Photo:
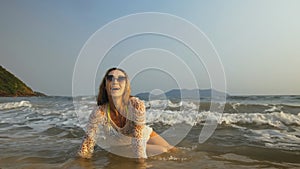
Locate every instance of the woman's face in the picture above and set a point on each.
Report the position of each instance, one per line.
(115, 83)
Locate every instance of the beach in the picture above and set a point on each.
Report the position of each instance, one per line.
(253, 132)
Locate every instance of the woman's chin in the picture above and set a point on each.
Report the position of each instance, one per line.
(116, 95)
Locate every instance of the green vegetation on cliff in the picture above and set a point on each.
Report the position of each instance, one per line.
(10, 85)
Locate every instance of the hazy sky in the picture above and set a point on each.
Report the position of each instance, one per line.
(257, 42)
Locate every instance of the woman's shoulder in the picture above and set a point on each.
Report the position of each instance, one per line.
(98, 115)
(134, 98)
(99, 110)
(137, 103)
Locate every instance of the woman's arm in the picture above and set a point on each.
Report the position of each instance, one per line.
(87, 147)
(137, 108)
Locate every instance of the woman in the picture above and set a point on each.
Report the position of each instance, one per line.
(121, 118)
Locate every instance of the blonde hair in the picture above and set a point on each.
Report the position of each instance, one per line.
(103, 96)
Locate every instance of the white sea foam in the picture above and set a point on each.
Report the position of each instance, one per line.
(83, 109)
(235, 105)
(275, 119)
(275, 138)
(274, 108)
(170, 104)
(158, 112)
(157, 104)
(162, 104)
(14, 105)
(171, 117)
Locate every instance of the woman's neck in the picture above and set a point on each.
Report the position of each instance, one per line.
(115, 103)
(116, 108)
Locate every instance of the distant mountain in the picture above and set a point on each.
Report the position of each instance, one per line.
(11, 86)
(177, 94)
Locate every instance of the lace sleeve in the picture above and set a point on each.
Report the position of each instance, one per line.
(137, 109)
(87, 147)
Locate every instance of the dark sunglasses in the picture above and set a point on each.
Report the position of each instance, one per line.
(119, 79)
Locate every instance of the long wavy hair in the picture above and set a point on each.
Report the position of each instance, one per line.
(103, 96)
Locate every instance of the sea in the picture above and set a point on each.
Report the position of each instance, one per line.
(250, 132)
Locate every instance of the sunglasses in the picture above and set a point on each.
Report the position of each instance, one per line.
(119, 79)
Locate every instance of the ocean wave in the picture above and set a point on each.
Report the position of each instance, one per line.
(278, 139)
(275, 119)
(186, 111)
(167, 104)
(229, 107)
(14, 105)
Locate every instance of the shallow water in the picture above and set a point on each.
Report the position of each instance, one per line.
(46, 132)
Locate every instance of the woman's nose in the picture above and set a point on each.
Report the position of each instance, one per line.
(115, 80)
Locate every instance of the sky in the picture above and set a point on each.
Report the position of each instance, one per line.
(256, 44)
